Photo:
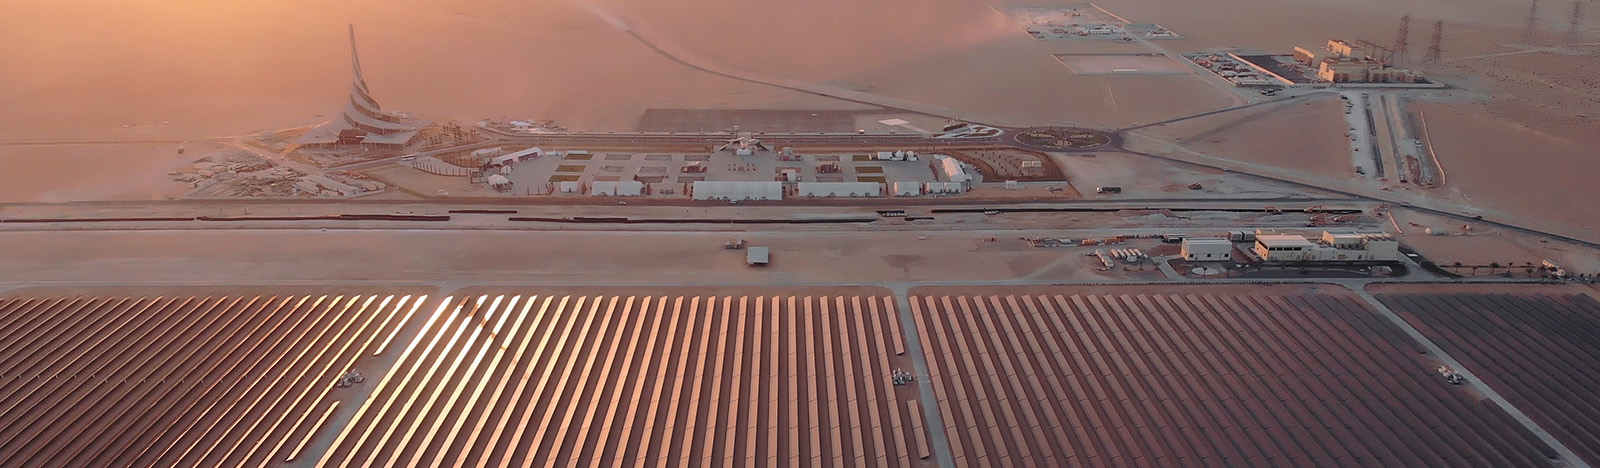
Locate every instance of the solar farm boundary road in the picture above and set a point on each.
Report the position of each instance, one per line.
(431, 205)
(1567, 455)
(1417, 203)
(919, 364)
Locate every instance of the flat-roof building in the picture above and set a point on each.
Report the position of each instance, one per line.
(1283, 247)
(1206, 249)
(1331, 247)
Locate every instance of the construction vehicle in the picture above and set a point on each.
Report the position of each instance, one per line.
(828, 168)
(350, 379)
(1450, 375)
(901, 377)
(734, 244)
(1195, 186)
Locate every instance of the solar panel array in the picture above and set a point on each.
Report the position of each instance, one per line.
(1198, 380)
(643, 381)
(177, 381)
(1541, 351)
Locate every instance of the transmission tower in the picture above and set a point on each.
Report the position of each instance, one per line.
(1432, 55)
(1403, 40)
(1572, 28)
(1528, 30)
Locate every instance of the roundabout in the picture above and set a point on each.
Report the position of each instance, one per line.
(1062, 139)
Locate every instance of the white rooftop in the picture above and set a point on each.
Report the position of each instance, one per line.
(1283, 240)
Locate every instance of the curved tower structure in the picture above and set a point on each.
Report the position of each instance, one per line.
(362, 123)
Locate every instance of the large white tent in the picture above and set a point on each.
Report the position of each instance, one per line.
(840, 189)
(728, 190)
(626, 188)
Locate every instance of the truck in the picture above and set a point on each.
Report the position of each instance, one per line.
(1108, 189)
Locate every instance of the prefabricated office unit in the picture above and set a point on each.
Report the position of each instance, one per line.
(757, 256)
(1207, 249)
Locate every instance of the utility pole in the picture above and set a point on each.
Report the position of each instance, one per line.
(1572, 28)
(1432, 55)
(1403, 40)
(1528, 30)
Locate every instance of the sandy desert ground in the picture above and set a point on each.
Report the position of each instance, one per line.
(64, 173)
(1512, 137)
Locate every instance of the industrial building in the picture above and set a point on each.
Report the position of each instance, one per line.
(1207, 249)
(1345, 62)
(1331, 247)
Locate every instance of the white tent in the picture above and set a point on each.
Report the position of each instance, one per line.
(627, 188)
(907, 189)
(719, 190)
(952, 169)
(569, 187)
(498, 180)
(840, 189)
(946, 187)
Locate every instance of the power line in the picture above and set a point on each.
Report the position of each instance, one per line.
(1403, 40)
(1528, 35)
(1572, 28)
(1432, 56)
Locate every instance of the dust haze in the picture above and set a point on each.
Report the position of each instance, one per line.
(178, 70)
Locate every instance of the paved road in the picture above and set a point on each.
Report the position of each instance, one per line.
(919, 365)
(1414, 202)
